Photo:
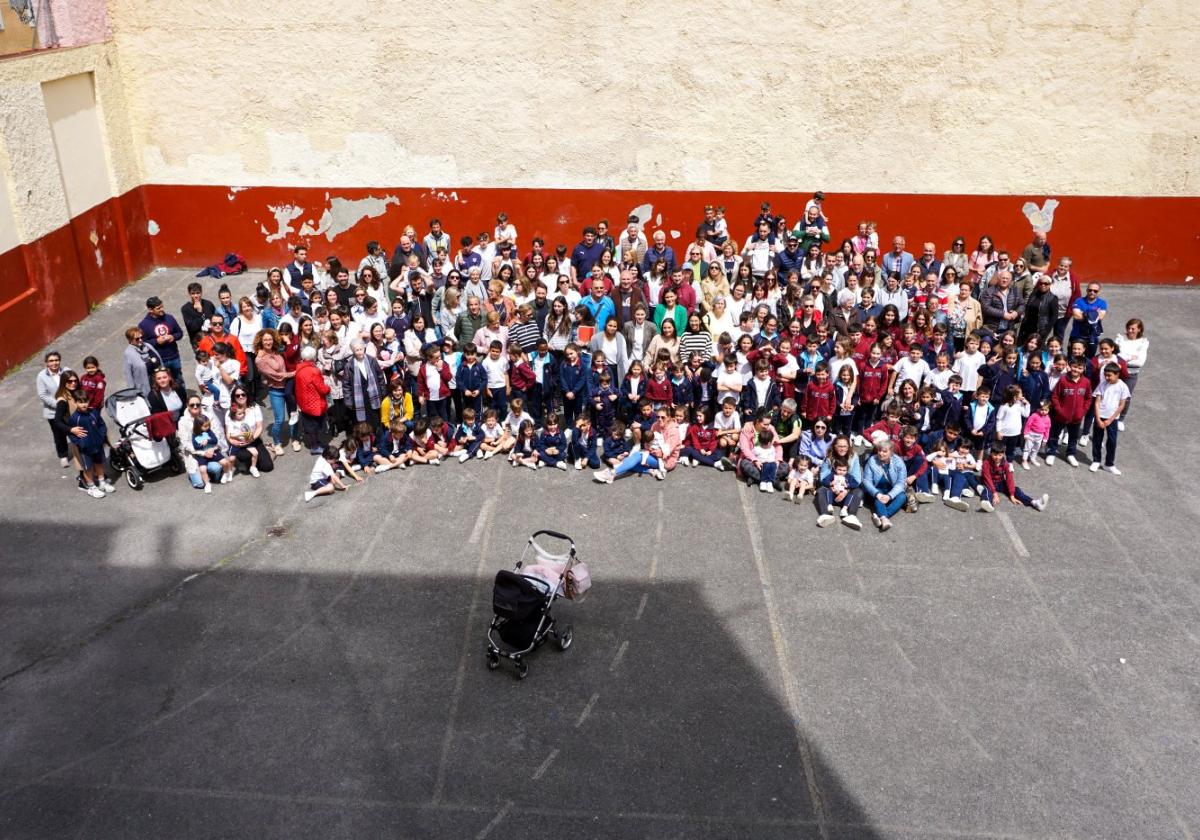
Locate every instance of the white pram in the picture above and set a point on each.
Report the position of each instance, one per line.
(135, 453)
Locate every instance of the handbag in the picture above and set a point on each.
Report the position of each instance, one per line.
(579, 581)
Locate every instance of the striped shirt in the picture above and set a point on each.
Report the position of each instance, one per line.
(695, 344)
(525, 335)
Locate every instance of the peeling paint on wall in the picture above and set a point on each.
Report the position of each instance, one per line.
(152, 228)
(284, 215)
(643, 213)
(1041, 218)
(344, 213)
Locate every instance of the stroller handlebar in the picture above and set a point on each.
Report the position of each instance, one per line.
(555, 534)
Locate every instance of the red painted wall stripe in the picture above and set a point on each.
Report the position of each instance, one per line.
(1111, 239)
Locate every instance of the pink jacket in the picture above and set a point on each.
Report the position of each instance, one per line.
(746, 445)
(1038, 424)
(670, 433)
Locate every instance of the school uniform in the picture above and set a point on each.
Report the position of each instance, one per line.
(551, 440)
(572, 378)
(583, 447)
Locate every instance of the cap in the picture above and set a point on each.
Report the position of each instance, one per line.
(792, 235)
(153, 302)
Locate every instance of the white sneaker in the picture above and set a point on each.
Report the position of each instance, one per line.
(309, 495)
(402, 466)
(579, 463)
(296, 447)
(685, 460)
(957, 504)
(487, 455)
(925, 498)
(851, 521)
(64, 462)
(1042, 502)
(720, 465)
(986, 506)
(933, 488)
(437, 462)
(1084, 440)
(1120, 425)
(1050, 460)
(763, 486)
(1072, 460)
(1024, 464)
(1095, 467)
(463, 456)
(1113, 470)
(770, 488)
(875, 520)
(659, 473)
(968, 493)
(562, 465)
(884, 523)
(293, 418)
(107, 486)
(95, 492)
(602, 477)
(535, 465)
(382, 468)
(226, 477)
(825, 520)
(208, 489)
(254, 472)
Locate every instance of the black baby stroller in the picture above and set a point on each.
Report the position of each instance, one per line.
(522, 600)
(136, 453)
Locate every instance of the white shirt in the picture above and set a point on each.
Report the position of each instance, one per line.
(967, 366)
(496, 368)
(727, 424)
(1010, 419)
(1110, 394)
(906, 369)
(321, 469)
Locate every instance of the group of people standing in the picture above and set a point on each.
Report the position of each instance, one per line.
(849, 375)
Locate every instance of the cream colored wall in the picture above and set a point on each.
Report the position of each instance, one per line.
(78, 140)
(1095, 97)
(27, 153)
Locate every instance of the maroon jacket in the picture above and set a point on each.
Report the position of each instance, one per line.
(1001, 477)
(819, 401)
(873, 382)
(1071, 401)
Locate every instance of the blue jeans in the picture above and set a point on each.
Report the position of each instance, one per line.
(697, 455)
(641, 461)
(214, 472)
(176, 367)
(960, 480)
(890, 509)
(279, 412)
(766, 475)
(1056, 429)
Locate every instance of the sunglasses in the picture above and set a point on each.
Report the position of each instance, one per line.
(193, 405)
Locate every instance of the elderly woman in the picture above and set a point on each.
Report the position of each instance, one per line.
(492, 330)
(963, 314)
(140, 360)
(364, 386)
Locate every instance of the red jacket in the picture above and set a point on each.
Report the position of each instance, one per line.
(1071, 401)
(521, 376)
(873, 382)
(701, 438)
(660, 392)
(1001, 477)
(423, 382)
(892, 430)
(311, 389)
(819, 401)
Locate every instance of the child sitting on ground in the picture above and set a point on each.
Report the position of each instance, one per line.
(323, 479)
(394, 444)
(997, 478)
(493, 436)
(207, 449)
(800, 478)
(764, 454)
(525, 450)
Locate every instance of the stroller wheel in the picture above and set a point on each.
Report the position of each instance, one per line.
(522, 670)
(134, 478)
(565, 637)
(493, 660)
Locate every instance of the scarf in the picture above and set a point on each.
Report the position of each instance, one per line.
(363, 401)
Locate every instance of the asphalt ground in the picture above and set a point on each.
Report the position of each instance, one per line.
(243, 664)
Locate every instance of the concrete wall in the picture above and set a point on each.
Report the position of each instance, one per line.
(907, 96)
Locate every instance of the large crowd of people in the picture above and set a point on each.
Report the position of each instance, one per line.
(847, 374)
